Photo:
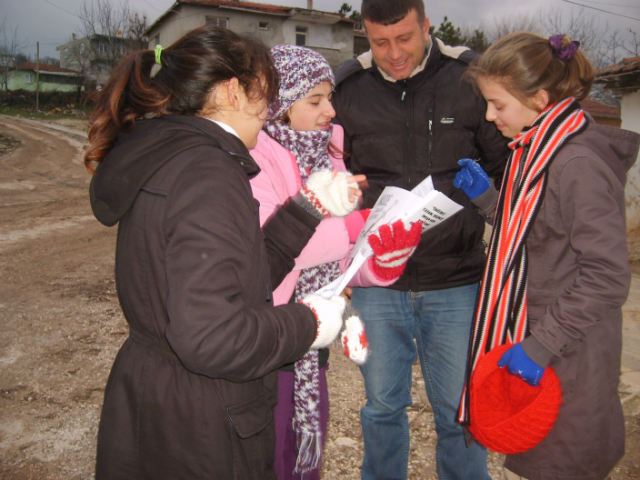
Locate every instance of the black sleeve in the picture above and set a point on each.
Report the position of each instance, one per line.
(287, 232)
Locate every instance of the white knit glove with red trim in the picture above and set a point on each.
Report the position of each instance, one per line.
(392, 249)
(354, 338)
(329, 317)
(329, 194)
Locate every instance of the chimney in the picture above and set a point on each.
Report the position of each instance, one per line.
(309, 4)
(73, 36)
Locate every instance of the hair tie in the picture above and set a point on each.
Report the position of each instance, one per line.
(564, 53)
(158, 53)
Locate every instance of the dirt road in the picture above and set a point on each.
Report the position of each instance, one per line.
(61, 325)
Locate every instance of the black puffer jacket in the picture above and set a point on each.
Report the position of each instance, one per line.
(192, 389)
(400, 133)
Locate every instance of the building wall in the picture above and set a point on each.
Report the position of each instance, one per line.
(333, 41)
(17, 81)
(630, 112)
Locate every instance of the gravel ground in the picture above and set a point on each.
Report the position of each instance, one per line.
(62, 326)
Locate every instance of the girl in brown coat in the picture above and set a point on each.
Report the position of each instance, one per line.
(557, 271)
(192, 390)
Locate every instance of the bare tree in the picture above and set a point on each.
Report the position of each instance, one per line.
(79, 58)
(10, 48)
(113, 31)
(593, 33)
(513, 23)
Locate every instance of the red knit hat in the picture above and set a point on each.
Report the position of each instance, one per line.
(507, 414)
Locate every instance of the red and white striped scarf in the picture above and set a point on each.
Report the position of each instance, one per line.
(501, 314)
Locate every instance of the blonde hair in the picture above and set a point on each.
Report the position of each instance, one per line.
(525, 63)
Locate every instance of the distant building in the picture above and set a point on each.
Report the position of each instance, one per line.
(23, 77)
(623, 79)
(94, 56)
(360, 42)
(328, 33)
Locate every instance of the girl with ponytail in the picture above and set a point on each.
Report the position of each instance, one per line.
(557, 271)
(192, 390)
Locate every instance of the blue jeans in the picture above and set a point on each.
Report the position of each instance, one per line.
(439, 323)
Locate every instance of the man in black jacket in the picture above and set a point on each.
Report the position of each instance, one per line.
(408, 114)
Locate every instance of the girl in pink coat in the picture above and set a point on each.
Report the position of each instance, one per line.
(300, 140)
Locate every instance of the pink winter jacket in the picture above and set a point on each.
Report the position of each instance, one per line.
(279, 180)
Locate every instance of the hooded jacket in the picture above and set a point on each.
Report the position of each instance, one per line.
(398, 133)
(578, 279)
(192, 389)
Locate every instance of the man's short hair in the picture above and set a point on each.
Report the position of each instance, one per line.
(388, 12)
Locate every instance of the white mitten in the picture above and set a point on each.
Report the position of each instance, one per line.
(329, 195)
(329, 317)
(354, 338)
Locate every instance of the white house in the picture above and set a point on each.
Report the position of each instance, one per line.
(328, 33)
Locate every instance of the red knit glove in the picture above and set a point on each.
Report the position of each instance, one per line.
(354, 338)
(392, 249)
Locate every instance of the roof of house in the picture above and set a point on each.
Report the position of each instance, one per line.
(600, 109)
(626, 66)
(242, 5)
(44, 67)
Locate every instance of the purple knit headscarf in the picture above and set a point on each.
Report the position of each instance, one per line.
(301, 70)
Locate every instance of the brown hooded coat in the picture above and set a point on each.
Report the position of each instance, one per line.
(192, 390)
(578, 280)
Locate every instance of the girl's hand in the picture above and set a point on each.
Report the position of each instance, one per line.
(354, 182)
(328, 193)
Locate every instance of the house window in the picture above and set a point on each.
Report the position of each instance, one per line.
(66, 53)
(102, 47)
(82, 49)
(263, 25)
(28, 78)
(218, 21)
(301, 36)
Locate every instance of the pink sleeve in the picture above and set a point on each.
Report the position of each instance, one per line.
(364, 277)
(264, 191)
(329, 244)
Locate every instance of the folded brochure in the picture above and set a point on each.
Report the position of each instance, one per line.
(424, 203)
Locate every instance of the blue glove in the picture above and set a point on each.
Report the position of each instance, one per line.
(519, 364)
(472, 179)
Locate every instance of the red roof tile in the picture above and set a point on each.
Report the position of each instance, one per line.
(262, 7)
(44, 67)
(599, 109)
(628, 65)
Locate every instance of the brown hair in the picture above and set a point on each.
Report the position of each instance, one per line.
(388, 12)
(525, 63)
(191, 67)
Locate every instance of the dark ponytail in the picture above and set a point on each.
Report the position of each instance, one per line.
(191, 67)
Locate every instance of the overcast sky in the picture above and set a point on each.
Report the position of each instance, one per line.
(51, 22)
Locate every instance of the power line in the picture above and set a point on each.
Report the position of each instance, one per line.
(57, 6)
(600, 10)
(613, 4)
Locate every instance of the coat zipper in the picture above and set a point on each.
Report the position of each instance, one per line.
(431, 136)
(407, 116)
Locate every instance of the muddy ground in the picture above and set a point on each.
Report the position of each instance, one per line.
(61, 325)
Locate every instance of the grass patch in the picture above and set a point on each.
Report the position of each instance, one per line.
(53, 114)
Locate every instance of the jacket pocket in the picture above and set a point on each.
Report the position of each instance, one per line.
(254, 440)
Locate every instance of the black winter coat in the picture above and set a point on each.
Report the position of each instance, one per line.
(192, 390)
(399, 133)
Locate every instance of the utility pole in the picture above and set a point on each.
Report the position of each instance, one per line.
(37, 76)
